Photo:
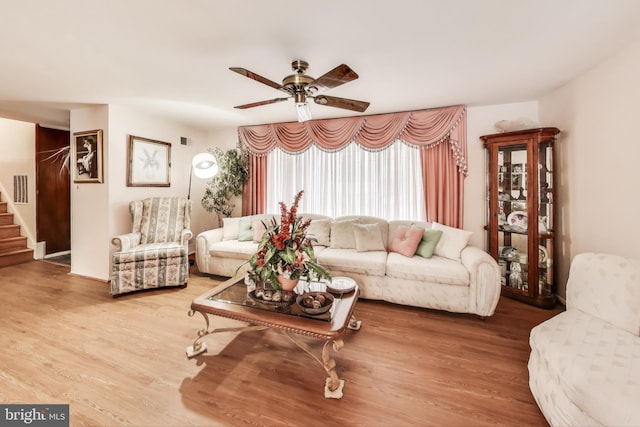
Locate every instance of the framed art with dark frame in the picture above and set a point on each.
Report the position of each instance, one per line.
(149, 163)
(86, 155)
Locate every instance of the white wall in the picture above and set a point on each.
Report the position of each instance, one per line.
(101, 211)
(18, 148)
(480, 121)
(89, 203)
(598, 153)
(225, 139)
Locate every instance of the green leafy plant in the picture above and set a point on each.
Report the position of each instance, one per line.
(227, 184)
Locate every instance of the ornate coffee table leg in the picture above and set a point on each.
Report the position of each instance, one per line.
(354, 324)
(333, 385)
(200, 347)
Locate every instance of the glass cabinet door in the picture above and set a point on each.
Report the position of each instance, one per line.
(513, 217)
(545, 218)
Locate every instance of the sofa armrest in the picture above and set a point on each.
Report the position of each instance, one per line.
(211, 236)
(126, 241)
(484, 275)
(204, 241)
(606, 286)
(185, 236)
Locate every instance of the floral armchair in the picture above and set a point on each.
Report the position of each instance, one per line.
(155, 254)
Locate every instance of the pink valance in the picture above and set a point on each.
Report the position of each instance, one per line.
(423, 129)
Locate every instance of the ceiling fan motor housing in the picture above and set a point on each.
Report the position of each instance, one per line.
(297, 83)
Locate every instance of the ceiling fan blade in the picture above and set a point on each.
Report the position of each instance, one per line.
(257, 104)
(340, 75)
(258, 78)
(347, 104)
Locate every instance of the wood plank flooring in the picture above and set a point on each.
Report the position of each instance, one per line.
(122, 362)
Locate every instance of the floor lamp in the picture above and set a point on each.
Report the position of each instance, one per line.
(203, 166)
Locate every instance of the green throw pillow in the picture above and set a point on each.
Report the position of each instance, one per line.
(430, 240)
(245, 232)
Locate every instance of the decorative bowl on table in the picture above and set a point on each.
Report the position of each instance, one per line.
(315, 302)
(272, 297)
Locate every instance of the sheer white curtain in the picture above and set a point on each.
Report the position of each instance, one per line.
(352, 181)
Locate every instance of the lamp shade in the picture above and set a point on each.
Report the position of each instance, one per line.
(204, 165)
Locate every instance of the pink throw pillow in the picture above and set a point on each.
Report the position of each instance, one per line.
(405, 240)
(258, 230)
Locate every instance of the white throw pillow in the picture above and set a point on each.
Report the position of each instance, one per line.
(368, 237)
(320, 229)
(230, 228)
(342, 234)
(452, 241)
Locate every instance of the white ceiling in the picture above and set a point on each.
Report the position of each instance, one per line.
(172, 56)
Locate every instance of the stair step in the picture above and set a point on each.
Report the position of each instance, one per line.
(6, 218)
(11, 243)
(7, 231)
(3, 207)
(16, 257)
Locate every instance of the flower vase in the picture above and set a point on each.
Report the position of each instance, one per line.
(286, 283)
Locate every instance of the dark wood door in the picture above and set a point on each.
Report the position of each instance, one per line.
(53, 189)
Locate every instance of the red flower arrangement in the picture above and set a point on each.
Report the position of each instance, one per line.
(285, 249)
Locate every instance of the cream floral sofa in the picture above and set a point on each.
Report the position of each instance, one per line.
(379, 255)
(584, 368)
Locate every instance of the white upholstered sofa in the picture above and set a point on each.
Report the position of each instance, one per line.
(584, 368)
(457, 278)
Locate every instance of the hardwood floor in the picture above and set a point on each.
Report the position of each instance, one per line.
(122, 361)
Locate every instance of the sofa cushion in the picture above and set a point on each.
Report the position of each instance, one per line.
(352, 261)
(233, 249)
(245, 230)
(231, 228)
(452, 241)
(151, 252)
(162, 219)
(342, 234)
(258, 227)
(427, 245)
(596, 363)
(320, 229)
(405, 240)
(435, 269)
(368, 237)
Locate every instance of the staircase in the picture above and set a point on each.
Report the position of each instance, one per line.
(13, 246)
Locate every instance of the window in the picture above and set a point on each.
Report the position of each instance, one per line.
(352, 181)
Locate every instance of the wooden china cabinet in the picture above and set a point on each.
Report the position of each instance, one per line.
(521, 194)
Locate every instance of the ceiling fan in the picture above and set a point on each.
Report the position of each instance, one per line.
(301, 87)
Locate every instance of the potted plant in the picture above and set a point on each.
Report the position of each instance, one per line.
(234, 172)
(285, 252)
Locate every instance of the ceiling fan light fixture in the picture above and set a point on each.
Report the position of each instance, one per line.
(304, 113)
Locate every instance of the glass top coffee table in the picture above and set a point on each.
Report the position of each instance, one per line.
(233, 299)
